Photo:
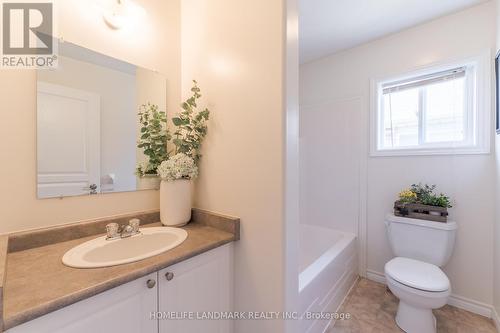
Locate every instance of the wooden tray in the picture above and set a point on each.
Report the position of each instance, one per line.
(421, 212)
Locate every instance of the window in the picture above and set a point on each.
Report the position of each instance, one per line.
(431, 112)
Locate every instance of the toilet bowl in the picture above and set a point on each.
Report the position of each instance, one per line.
(420, 287)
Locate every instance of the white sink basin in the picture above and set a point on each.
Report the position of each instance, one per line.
(100, 252)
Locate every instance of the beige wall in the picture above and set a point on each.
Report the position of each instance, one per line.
(154, 43)
(468, 179)
(238, 59)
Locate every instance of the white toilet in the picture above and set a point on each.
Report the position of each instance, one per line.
(414, 276)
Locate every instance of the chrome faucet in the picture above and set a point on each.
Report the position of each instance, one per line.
(114, 231)
(127, 231)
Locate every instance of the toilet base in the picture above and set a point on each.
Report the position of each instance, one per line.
(415, 320)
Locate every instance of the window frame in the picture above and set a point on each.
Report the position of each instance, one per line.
(476, 122)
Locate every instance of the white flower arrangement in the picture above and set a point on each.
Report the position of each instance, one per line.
(144, 168)
(179, 166)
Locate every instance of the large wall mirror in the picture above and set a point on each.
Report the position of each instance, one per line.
(88, 123)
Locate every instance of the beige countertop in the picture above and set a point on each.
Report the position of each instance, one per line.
(36, 281)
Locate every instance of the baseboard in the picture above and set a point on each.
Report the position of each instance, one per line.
(460, 302)
(375, 276)
(496, 318)
(471, 305)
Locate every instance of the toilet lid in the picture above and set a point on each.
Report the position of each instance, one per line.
(417, 274)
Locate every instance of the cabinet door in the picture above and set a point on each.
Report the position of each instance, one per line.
(125, 309)
(194, 288)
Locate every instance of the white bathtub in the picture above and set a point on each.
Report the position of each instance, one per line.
(328, 268)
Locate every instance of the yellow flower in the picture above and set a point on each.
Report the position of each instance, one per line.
(407, 196)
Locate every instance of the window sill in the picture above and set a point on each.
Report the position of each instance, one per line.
(430, 152)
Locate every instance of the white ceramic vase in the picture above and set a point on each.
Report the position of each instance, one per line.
(175, 202)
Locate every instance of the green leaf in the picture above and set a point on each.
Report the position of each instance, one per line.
(177, 121)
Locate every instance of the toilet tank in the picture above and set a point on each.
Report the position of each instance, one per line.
(428, 241)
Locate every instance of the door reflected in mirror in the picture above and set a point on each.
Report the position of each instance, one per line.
(88, 124)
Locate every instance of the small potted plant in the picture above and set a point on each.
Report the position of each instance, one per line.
(177, 167)
(181, 164)
(421, 202)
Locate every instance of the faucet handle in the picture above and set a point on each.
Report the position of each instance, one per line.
(112, 230)
(135, 223)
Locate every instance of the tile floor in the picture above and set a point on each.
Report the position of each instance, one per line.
(373, 308)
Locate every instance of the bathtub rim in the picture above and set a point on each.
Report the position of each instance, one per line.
(307, 275)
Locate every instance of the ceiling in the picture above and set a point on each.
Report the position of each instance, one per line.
(328, 26)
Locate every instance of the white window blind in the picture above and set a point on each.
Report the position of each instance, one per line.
(424, 80)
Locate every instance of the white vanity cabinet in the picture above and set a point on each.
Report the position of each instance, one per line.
(194, 292)
(202, 283)
(123, 309)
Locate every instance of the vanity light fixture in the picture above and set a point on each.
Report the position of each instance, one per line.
(121, 13)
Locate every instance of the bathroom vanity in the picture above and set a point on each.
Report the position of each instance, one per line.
(175, 291)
